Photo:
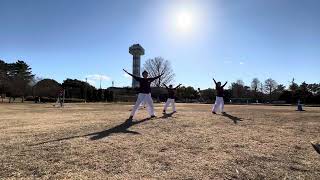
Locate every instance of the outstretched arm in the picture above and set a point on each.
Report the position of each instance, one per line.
(135, 77)
(154, 78)
(178, 86)
(214, 81)
(225, 84)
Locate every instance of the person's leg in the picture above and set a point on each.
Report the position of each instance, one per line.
(173, 103)
(61, 102)
(143, 104)
(135, 108)
(150, 106)
(222, 105)
(166, 105)
(215, 105)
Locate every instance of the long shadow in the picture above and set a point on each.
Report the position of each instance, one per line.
(233, 118)
(316, 147)
(121, 128)
(165, 116)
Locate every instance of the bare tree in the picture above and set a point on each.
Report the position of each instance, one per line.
(270, 86)
(157, 66)
(255, 84)
(238, 89)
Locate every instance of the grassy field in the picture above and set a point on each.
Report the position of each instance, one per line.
(91, 141)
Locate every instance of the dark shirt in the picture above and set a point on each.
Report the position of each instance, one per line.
(220, 91)
(145, 84)
(61, 94)
(171, 93)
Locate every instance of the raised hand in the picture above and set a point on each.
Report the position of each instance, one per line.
(225, 84)
(178, 86)
(128, 73)
(214, 80)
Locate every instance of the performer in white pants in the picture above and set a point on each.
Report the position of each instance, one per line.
(171, 98)
(60, 99)
(219, 104)
(144, 93)
(146, 99)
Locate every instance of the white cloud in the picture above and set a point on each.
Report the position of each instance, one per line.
(91, 82)
(94, 79)
(98, 77)
(241, 63)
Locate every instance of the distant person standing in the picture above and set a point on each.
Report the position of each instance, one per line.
(171, 98)
(144, 93)
(219, 104)
(61, 97)
(200, 99)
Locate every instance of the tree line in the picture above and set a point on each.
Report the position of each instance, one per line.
(17, 80)
(268, 91)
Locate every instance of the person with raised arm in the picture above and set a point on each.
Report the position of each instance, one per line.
(171, 98)
(219, 104)
(144, 93)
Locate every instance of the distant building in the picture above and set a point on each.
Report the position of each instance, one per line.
(137, 51)
(128, 94)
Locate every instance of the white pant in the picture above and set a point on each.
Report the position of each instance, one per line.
(219, 105)
(146, 98)
(172, 102)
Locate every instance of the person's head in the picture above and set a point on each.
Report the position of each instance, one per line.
(219, 84)
(170, 86)
(145, 74)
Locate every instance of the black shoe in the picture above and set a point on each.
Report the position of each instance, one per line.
(153, 116)
(214, 112)
(163, 112)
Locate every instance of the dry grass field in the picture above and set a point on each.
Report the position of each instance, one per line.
(91, 141)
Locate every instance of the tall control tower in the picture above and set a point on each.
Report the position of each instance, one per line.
(137, 51)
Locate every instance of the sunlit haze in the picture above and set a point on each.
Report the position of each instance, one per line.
(228, 40)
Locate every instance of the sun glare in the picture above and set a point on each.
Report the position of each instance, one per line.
(184, 22)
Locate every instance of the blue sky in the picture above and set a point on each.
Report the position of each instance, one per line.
(225, 39)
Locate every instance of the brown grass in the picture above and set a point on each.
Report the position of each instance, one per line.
(90, 141)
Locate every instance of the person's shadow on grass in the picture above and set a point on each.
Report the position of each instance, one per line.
(233, 118)
(316, 147)
(165, 115)
(121, 128)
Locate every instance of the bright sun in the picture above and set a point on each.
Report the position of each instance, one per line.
(184, 22)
